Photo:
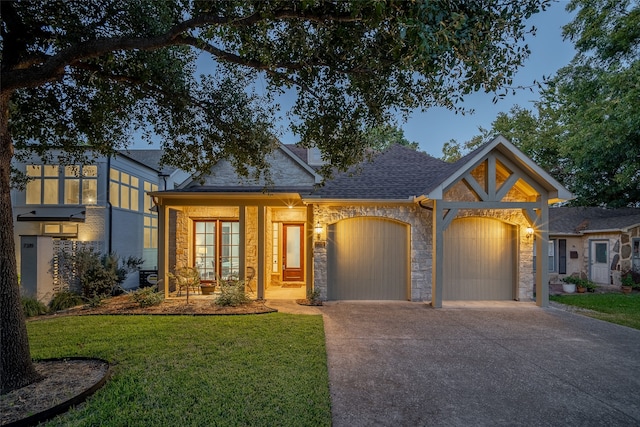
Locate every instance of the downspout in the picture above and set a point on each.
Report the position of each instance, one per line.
(110, 237)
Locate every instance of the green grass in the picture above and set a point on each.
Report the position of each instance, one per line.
(196, 371)
(612, 307)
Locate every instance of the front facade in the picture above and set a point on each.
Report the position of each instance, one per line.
(102, 205)
(404, 226)
(594, 243)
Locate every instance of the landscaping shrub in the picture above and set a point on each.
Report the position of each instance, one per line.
(65, 299)
(232, 293)
(147, 297)
(96, 275)
(631, 278)
(32, 307)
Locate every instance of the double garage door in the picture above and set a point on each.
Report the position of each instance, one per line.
(369, 259)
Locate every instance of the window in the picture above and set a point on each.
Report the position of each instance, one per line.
(217, 249)
(551, 254)
(123, 190)
(42, 188)
(148, 201)
(150, 232)
(60, 230)
(635, 257)
(562, 256)
(80, 186)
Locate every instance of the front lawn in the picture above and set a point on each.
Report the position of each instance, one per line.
(612, 307)
(196, 371)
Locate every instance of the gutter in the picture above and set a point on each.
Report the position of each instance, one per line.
(110, 238)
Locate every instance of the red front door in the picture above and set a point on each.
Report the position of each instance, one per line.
(293, 253)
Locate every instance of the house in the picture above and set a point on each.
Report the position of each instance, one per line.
(401, 226)
(595, 243)
(102, 205)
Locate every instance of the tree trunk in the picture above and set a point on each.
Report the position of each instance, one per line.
(16, 367)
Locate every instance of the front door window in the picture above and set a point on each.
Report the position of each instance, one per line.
(293, 239)
(217, 249)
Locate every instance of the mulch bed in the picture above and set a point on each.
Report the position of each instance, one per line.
(122, 305)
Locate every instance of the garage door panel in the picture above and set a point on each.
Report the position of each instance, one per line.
(479, 260)
(367, 258)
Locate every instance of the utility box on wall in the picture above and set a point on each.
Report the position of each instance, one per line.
(36, 281)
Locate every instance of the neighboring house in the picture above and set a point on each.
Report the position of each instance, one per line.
(102, 205)
(402, 226)
(596, 243)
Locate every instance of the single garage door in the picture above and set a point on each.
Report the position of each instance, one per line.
(479, 260)
(368, 259)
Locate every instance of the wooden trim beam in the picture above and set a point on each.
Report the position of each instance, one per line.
(473, 184)
(487, 205)
(261, 252)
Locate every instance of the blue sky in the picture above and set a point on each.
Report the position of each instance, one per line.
(549, 52)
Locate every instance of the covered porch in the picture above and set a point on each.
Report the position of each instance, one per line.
(263, 239)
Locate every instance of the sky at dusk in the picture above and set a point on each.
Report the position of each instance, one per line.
(432, 128)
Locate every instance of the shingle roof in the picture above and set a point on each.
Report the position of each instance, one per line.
(150, 158)
(396, 173)
(568, 220)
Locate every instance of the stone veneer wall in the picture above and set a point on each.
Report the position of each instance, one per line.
(420, 221)
(626, 250)
(526, 276)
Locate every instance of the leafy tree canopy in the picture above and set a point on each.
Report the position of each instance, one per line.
(585, 130)
(91, 73)
(381, 137)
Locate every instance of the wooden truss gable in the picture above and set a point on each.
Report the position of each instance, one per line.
(493, 182)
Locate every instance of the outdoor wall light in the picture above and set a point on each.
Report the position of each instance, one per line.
(529, 232)
(318, 229)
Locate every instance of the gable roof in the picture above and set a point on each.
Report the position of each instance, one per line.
(557, 192)
(150, 158)
(396, 173)
(582, 220)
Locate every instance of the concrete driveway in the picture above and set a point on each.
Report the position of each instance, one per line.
(406, 364)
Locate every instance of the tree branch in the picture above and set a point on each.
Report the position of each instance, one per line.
(53, 67)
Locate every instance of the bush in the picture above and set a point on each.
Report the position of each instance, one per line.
(631, 278)
(95, 275)
(65, 299)
(232, 293)
(147, 297)
(32, 307)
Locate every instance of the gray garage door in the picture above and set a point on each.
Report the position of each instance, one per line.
(479, 260)
(368, 259)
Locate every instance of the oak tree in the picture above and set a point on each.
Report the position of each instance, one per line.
(90, 74)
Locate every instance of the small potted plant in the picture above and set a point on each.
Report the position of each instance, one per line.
(207, 288)
(569, 285)
(627, 283)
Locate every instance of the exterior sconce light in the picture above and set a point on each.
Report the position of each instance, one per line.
(529, 232)
(318, 229)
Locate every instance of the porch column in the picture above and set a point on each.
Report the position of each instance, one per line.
(542, 255)
(261, 251)
(163, 249)
(437, 256)
(309, 253)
